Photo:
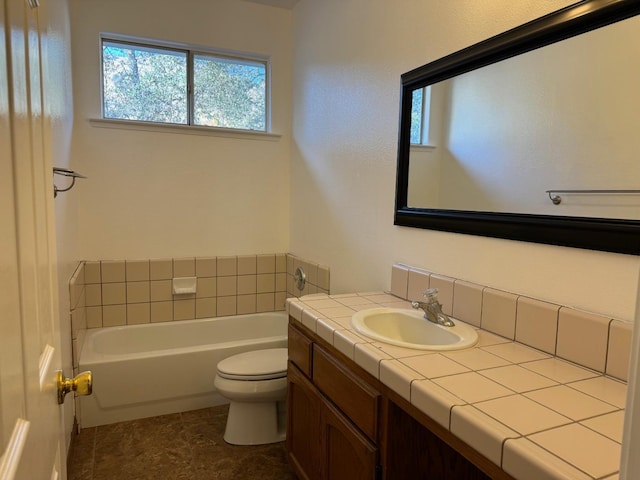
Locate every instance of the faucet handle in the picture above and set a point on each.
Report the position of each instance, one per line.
(431, 294)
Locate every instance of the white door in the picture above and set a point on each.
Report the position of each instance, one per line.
(31, 433)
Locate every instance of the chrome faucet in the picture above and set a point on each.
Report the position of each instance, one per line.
(433, 309)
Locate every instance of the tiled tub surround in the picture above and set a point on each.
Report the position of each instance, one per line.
(536, 415)
(126, 292)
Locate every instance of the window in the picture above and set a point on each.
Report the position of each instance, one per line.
(420, 110)
(158, 83)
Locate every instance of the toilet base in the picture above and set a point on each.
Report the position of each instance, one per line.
(255, 423)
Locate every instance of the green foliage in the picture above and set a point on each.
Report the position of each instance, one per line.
(150, 84)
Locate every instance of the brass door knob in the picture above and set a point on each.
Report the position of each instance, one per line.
(82, 384)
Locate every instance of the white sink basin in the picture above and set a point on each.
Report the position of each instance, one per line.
(408, 328)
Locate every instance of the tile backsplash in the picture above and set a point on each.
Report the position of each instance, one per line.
(106, 293)
(598, 342)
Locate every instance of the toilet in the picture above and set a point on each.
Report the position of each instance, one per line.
(255, 383)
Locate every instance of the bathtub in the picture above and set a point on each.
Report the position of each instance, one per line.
(155, 369)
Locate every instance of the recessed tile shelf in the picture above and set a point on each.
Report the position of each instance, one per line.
(512, 398)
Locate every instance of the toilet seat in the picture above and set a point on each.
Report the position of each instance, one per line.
(257, 365)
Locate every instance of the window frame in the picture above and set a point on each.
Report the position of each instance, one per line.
(191, 51)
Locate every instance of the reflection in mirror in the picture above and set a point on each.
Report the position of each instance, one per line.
(562, 117)
(549, 105)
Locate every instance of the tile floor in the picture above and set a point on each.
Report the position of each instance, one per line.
(186, 445)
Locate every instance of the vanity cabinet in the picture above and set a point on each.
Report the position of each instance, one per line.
(332, 424)
(344, 424)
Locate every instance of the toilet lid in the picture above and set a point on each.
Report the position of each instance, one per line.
(256, 365)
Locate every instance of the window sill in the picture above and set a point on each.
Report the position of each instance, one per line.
(183, 129)
(423, 147)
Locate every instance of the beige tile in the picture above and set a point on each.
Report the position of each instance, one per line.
(311, 270)
(113, 271)
(246, 284)
(606, 389)
(137, 270)
(77, 297)
(266, 283)
(138, 313)
(619, 349)
(467, 302)
(247, 265)
(380, 298)
(324, 278)
(184, 309)
(582, 338)
(476, 359)
(78, 320)
(517, 378)
(114, 293)
(537, 324)
(399, 280)
(184, 267)
(290, 263)
(499, 312)
(281, 263)
(417, 284)
(161, 311)
(161, 290)
(356, 301)
(524, 460)
(161, 269)
(345, 342)
(226, 305)
(280, 298)
(511, 411)
(114, 315)
(206, 266)
(585, 449)
(444, 285)
(281, 282)
(369, 357)
(434, 400)
(94, 317)
(265, 264)
(325, 328)
(265, 302)
(321, 303)
(472, 387)
(569, 402)
(227, 266)
(610, 425)
(309, 319)
(487, 338)
(515, 352)
(396, 351)
(205, 307)
(138, 292)
(336, 312)
(295, 308)
(92, 272)
(93, 294)
(480, 431)
(206, 287)
(246, 304)
(398, 377)
(226, 286)
(559, 370)
(434, 365)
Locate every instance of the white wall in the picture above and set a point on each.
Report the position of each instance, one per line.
(157, 194)
(348, 57)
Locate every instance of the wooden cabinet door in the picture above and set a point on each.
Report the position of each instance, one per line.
(304, 433)
(348, 455)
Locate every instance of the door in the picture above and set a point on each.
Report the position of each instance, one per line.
(31, 429)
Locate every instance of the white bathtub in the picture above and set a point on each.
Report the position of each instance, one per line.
(154, 369)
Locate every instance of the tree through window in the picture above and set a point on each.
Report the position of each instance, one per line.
(153, 84)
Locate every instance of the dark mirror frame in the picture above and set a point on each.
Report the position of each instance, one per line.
(613, 235)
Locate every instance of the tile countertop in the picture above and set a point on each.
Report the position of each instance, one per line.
(535, 415)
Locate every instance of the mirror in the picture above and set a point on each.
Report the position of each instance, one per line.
(530, 143)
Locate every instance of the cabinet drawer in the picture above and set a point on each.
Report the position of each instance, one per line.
(300, 350)
(357, 400)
